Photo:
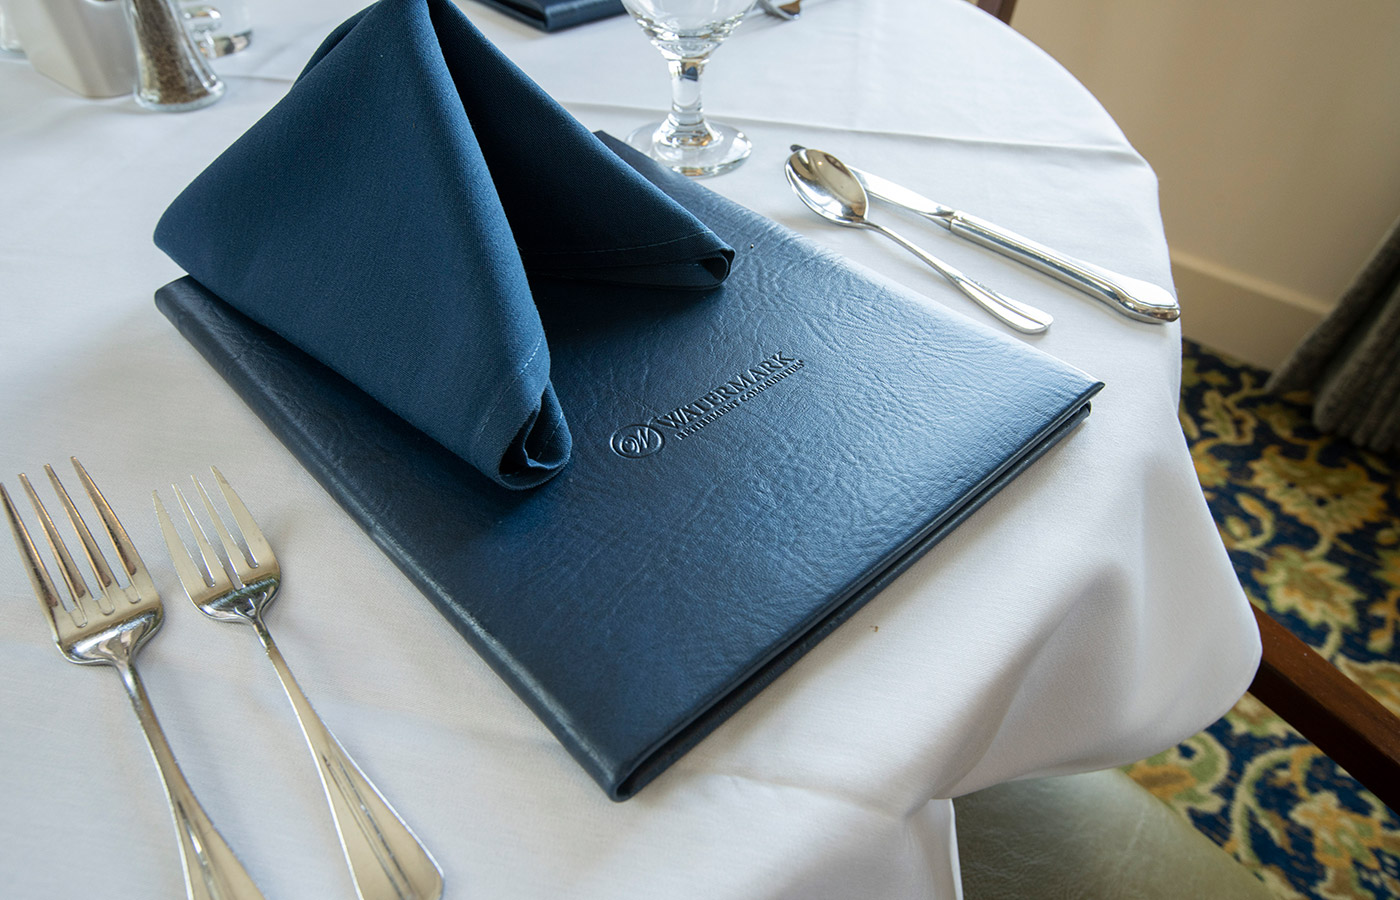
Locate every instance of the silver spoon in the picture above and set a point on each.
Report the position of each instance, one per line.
(832, 192)
(785, 11)
(1136, 299)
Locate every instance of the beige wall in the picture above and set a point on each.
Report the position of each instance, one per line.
(1274, 128)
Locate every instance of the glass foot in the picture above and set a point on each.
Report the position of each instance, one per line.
(723, 148)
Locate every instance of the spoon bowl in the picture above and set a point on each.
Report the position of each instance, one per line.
(833, 192)
(828, 188)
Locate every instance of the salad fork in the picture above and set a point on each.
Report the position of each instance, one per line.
(386, 860)
(109, 629)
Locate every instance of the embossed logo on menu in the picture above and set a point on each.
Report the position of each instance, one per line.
(636, 441)
(643, 439)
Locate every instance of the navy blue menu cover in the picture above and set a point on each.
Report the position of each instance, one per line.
(751, 465)
(552, 15)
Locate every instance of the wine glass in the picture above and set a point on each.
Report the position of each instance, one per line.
(687, 32)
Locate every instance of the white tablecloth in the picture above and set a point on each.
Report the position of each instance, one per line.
(1086, 617)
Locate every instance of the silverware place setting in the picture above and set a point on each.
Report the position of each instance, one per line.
(109, 626)
(386, 859)
(841, 193)
(829, 189)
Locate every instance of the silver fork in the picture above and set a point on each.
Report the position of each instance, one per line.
(109, 629)
(386, 860)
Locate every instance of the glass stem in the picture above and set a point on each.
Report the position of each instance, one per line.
(686, 125)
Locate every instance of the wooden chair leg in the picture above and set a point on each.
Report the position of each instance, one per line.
(1002, 9)
(1329, 709)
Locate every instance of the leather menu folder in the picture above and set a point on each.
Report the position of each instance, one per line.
(751, 465)
(553, 15)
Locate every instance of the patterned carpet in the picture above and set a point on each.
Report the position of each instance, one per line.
(1312, 524)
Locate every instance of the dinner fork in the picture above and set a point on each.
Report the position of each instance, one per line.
(387, 862)
(110, 629)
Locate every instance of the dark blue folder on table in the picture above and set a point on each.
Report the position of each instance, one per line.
(553, 15)
(750, 466)
(404, 283)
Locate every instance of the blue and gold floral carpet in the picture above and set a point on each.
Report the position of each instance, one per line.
(1312, 524)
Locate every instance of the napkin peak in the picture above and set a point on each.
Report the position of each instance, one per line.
(388, 214)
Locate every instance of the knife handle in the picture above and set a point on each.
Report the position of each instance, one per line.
(1136, 299)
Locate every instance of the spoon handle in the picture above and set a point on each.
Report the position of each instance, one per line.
(1014, 314)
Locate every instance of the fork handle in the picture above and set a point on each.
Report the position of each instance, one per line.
(212, 872)
(386, 860)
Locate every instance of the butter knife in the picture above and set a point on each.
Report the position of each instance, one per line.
(1140, 300)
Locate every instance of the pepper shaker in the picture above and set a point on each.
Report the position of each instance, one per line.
(171, 74)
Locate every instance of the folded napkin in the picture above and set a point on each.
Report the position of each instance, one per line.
(387, 216)
(552, 15)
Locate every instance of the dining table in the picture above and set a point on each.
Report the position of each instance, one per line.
(1085, 617)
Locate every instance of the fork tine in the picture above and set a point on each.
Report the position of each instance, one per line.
(95, 559)
(236, 559)
(38, 575)
(259, 551)
(194, 578)
(77, 587)
(213, 570)
(252, 534)
(126, 551)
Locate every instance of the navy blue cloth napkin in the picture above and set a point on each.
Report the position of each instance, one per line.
(387, 216)
(552, 15)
